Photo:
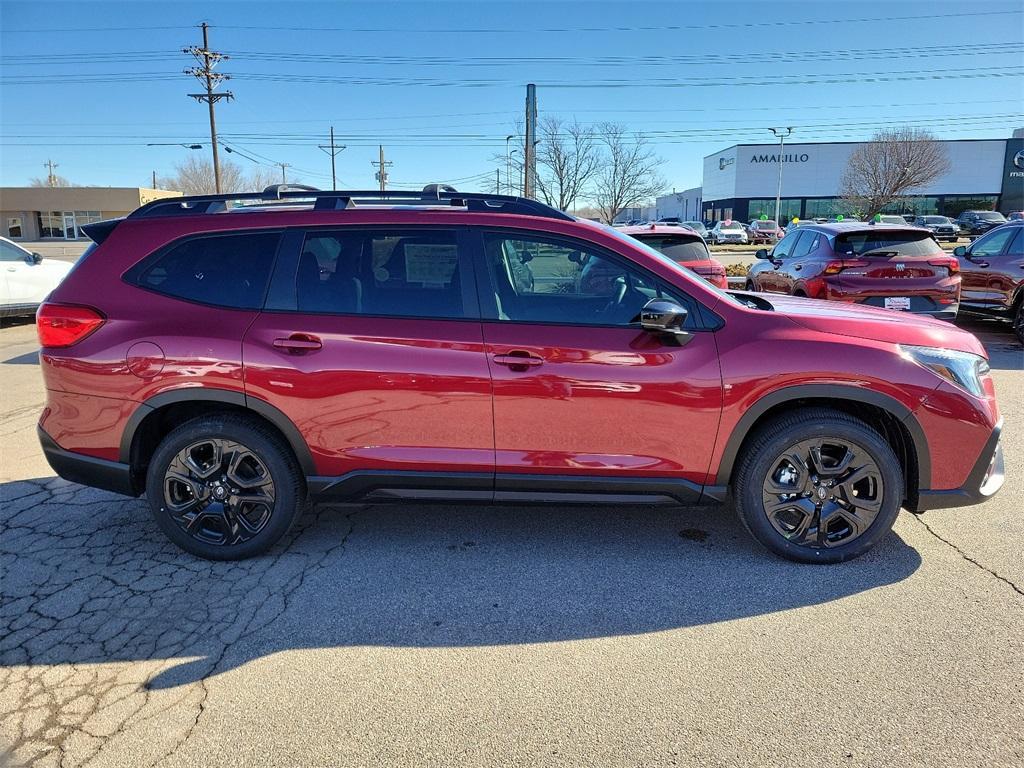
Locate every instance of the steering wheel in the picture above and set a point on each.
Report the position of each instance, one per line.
(615, 302)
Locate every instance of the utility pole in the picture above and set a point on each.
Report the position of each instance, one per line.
(497, 181)
(332, 150)
(154, 180)
(382, 169)
(208, 60)
(508, 166)
(284, 179)
(530, 149)
(51, 177)
(778, 192)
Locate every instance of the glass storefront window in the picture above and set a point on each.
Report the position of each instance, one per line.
(789, 208)
(51, 224)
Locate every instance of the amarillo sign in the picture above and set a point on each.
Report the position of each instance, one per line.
(787, 158)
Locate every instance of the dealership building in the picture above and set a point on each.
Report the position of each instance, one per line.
(58, 213)
(741, 182)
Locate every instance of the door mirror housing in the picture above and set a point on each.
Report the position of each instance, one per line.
(761, 253)
(664, 316)
(34, 258)
(960, 252)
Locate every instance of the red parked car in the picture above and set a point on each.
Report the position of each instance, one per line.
(231, 356)
(878, 265)
(685, 247)
(993, 275)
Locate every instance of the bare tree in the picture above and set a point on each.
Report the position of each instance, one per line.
(628, 173)
(895, 162)
(567, 159)
(51, 181)
(194, 176)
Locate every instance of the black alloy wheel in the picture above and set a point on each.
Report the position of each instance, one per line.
(224, 486)
(817, 485)
(1018, 321)
(219, 492)
(823, 492)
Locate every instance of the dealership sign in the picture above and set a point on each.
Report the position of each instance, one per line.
(786, 158)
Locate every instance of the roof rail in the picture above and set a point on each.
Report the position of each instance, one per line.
(333, 200)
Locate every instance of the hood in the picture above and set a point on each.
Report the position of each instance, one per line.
(856, 320)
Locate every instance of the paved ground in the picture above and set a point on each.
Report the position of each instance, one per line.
(430, 635)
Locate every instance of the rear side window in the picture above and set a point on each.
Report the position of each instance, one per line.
(677, 247)
(229, 270)
(392, 273)
(886, 244)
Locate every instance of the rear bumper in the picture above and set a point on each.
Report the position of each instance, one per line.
(983, 483)
(87, 470)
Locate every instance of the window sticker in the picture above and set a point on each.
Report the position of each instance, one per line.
(432, 265)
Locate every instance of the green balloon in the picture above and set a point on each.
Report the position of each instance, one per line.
(878, 218)
(839, 217)
(764, 217)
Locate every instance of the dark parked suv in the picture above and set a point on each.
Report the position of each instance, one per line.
(881, 265)
(975, 223)
(233, 356)
(993, 275)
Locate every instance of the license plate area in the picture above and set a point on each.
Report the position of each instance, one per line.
(901, 303)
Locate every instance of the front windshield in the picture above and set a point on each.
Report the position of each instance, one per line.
(991, 216)
(698, 225)
(766, 225)
(936, 220)
(731, 225)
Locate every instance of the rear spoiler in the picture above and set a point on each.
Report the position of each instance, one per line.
(98, 231)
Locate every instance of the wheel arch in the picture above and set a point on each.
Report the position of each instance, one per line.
(889, 416)
(145, 425)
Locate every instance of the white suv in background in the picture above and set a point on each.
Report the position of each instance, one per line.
(26, 278)
(728, 232)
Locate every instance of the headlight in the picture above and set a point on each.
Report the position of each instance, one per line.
(960, 368)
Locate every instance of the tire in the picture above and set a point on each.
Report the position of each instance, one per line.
(233, 458)
(1018, 320)
(750, 287)
(794, 531)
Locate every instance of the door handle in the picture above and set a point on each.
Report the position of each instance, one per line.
(518, 360)
(299, 343)
(798, 266)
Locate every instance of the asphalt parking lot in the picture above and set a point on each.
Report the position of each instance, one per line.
(433, 635)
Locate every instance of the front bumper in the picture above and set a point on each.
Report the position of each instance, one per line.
(87, 470)
(983, 483)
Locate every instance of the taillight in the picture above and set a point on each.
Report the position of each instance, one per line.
(951, 264)
(835, 267)
(61, 325)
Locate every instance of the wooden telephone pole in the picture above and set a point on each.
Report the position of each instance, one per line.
(208, 60)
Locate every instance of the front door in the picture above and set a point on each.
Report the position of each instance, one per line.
(986, 277)
(372, 347)
(70, 233)
(581, 393)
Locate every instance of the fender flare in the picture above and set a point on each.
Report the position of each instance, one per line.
(192, 394)
(830, 392)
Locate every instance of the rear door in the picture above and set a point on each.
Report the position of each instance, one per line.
(371, 344)
(582, 395)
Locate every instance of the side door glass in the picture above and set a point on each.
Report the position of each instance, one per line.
(992, 244)
(563, 282)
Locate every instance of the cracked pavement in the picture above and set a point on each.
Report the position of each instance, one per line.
(462, 635)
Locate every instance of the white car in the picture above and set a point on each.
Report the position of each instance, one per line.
(26, 278)
(728, 232)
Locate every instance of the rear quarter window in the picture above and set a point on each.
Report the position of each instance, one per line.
(226, 270)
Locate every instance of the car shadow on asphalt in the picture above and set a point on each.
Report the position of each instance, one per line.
(89, 579)
(1005, 352)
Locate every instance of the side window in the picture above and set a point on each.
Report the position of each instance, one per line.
(394, 272)
(1016, 248)
(10, 252)
(785, 246)
(229, 270)
(994, 243)
(565, 283)
(807, 244)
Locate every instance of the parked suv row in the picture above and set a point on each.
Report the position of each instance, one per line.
(233, 356)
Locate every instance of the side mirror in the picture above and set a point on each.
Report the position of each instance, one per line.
(664, 316)
(34, 258)
(761, 253)
(960, 252)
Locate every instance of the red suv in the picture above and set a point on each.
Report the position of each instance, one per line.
(232, 356)
(878, 265)
(684, 246)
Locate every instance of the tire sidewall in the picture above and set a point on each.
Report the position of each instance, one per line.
(751, 505)
(277, 459)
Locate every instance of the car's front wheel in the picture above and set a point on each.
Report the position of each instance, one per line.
(1018, 321)
(818, 486)
(224, 487)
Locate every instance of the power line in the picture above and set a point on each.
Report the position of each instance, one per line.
(205, 73)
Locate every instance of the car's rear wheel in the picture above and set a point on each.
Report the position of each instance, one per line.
(224, 487)
(1018, 320)
(818, 486)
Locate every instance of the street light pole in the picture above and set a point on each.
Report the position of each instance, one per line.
(778, 192)
(508, 166)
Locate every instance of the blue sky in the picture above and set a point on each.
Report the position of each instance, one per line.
(90, 84)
